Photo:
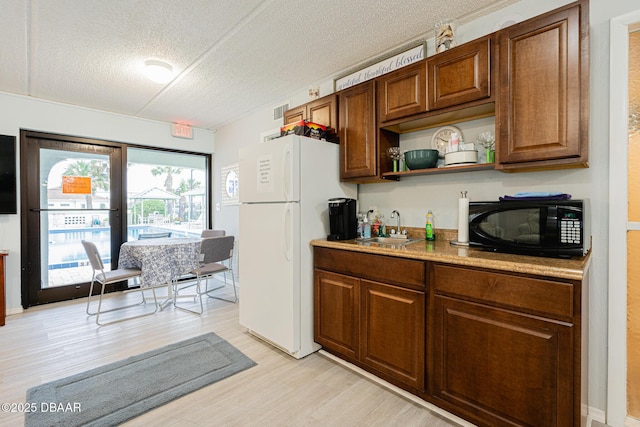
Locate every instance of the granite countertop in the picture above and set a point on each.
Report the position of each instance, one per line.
(441, 250)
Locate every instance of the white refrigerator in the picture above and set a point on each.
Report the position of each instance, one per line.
(284, 188)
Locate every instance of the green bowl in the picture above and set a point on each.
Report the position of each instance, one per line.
(421, 159)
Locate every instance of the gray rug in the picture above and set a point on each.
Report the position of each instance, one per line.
(112, 394)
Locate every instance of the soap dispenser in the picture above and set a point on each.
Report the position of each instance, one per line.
(429, 228)
(367, 227)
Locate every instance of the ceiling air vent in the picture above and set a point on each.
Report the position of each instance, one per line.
(278, 112)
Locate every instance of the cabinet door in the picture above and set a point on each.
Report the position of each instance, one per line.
(541, 104)
(403, 92)
(336, 313)
(295, 114)
(459, 75)
(358, 149)
(393, 331)
(501, 367)
(324, 111)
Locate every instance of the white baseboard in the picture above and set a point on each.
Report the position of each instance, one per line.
(397, 390)
(600, 416)
(594, 414)
(15, 310)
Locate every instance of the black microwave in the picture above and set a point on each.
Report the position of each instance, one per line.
(557, 228)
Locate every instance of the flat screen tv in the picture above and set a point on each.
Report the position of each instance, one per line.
(8, 203)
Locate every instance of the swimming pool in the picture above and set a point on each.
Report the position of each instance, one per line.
(65, 250)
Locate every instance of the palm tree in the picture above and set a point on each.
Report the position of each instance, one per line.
(97, 170)
(170, 171)
(186, 185)
(168, 182)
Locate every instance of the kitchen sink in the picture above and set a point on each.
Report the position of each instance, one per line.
(387, 241)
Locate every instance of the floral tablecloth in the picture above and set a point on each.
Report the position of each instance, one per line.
(160, 260)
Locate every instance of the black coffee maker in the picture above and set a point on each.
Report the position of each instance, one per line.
(343, 221)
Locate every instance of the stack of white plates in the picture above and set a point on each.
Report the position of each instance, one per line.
(461, 157)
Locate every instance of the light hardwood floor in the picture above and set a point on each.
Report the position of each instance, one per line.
(57, 340)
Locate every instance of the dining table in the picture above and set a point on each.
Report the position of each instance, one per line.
(161, 261)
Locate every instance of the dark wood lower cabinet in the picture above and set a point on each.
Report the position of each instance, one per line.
(392, 331)
(503, 368)
(336, 314)
(372, 324)
(371, 316)
(493, 347)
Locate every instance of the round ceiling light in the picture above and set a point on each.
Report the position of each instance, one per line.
(158, 71)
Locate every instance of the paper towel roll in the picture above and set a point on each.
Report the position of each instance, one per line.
(463, 218)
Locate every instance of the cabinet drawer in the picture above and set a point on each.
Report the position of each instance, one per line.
(397, 271)
(536, 296)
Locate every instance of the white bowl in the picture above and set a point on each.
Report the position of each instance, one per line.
(461, 157)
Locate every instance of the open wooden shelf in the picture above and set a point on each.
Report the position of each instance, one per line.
(443, 170)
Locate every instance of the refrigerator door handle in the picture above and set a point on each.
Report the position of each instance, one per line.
(286, 181)
(286, 233)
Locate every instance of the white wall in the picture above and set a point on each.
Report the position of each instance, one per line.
(28, 113)
(235, 136)
(413, 196)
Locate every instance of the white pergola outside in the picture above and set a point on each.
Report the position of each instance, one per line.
(154, 193)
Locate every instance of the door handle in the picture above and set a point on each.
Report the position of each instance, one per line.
(286, 234)
(73, 210)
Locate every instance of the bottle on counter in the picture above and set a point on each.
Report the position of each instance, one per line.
(366, 227)
(430, 232)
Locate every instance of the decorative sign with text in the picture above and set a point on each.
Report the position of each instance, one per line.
(383, 67)
(76, 185)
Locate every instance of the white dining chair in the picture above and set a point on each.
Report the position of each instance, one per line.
(216, 256)
(108, 277)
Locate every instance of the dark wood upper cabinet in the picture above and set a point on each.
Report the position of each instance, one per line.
(295, 114)
(543, 102)
(358, 148)
(532, 76)
(402, 93)
(460, 75)
(323, 111)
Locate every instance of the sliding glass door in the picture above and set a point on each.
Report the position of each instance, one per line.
(73, 193)
(75, 189)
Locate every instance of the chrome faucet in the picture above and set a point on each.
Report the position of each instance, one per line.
(396, 214)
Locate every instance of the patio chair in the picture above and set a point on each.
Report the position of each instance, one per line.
(158, 235)
(109, 277)
(212, 233)
(216, 256)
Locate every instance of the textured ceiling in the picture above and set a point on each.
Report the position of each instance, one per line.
(229, 57)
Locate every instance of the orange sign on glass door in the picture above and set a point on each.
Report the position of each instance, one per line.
(76, 185)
